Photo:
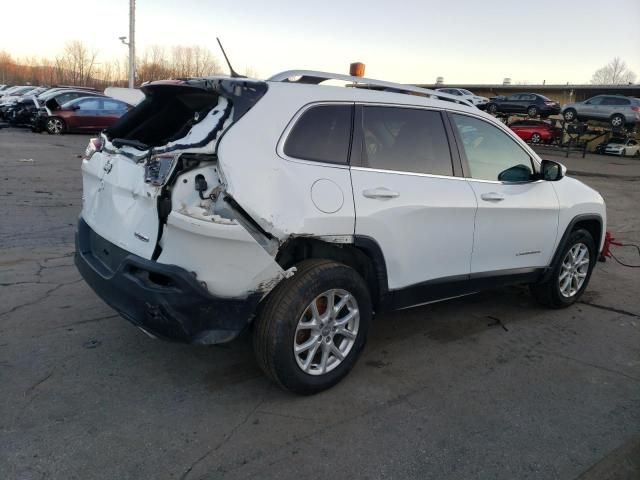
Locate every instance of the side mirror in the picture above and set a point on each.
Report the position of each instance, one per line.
(552, 171)
(517, 173)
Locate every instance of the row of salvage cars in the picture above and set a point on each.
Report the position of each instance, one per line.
(618, 111)
(58, 110)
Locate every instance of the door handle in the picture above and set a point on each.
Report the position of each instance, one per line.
(380, 192)
(492, 197)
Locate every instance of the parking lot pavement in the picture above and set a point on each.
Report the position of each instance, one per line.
(488, 386)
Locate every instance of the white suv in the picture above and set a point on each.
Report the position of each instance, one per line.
(478, 101)
(299, 210)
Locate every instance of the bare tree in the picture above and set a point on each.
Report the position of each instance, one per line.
(76, 64)
(613, 73)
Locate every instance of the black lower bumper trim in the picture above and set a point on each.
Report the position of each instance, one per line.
(164, 300)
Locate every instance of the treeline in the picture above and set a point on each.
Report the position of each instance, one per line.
(79, 65)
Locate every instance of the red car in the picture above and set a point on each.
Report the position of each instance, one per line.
(536, 131)
(86, 113)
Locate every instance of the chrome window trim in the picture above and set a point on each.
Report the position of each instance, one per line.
(413, 174)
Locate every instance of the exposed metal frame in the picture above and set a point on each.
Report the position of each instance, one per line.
(316, 77)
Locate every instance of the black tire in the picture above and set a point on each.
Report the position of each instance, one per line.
(275, 328)
(548, 291)
(55, 126)
(492, 108)
(570, 114)
(535, 138)
(532, 111)
(617, 120)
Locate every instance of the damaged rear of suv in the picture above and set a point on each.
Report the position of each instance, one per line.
(159, 238)
(219, 204)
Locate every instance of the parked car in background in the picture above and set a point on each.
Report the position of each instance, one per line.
(480, 102)
(624, 147)
(533, 104)
(86, 113)
(615, 109)
(536, 131)
(22, 111)
(13, 93)
(50, 102)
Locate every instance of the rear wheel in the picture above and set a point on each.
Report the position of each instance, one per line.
(313, 326)
(532, 111)
(570, 275)
(617, 121)
(536, 138)
(55, 126)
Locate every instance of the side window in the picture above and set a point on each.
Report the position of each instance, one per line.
(113, 105)
(595, 101)
(90, 104)
(62, 99)
(491, 153)
(406, 140)
(322, 134)
(513, 98)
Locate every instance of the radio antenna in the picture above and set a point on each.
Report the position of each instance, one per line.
(233, 73)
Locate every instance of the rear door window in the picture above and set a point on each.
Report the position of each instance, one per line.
(405, 140)
(90, 104)
(114, 105)
(322, 134)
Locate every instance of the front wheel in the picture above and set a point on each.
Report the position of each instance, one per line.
(570, 114)
(570, 274)
(492, 108)
(313, 326)
(55, 126)
(536, 138)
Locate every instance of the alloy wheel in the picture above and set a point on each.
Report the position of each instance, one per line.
(54, 125)
(326, 332)
(574, 270)
(535, 138)
(616, 121)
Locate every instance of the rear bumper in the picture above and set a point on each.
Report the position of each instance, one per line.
(164, 300)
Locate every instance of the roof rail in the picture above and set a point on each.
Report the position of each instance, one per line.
(314, 78)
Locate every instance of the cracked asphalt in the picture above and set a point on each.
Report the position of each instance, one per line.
(490, 386)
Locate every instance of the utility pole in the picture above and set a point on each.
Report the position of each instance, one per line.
(132, 43)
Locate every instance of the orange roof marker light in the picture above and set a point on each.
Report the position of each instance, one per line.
(356, 69)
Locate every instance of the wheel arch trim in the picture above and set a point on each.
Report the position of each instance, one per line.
(565, 238)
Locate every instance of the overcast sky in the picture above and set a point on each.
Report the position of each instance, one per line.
(465, 41)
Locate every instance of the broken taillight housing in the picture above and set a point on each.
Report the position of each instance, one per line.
(95, 144)
(158, 168)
